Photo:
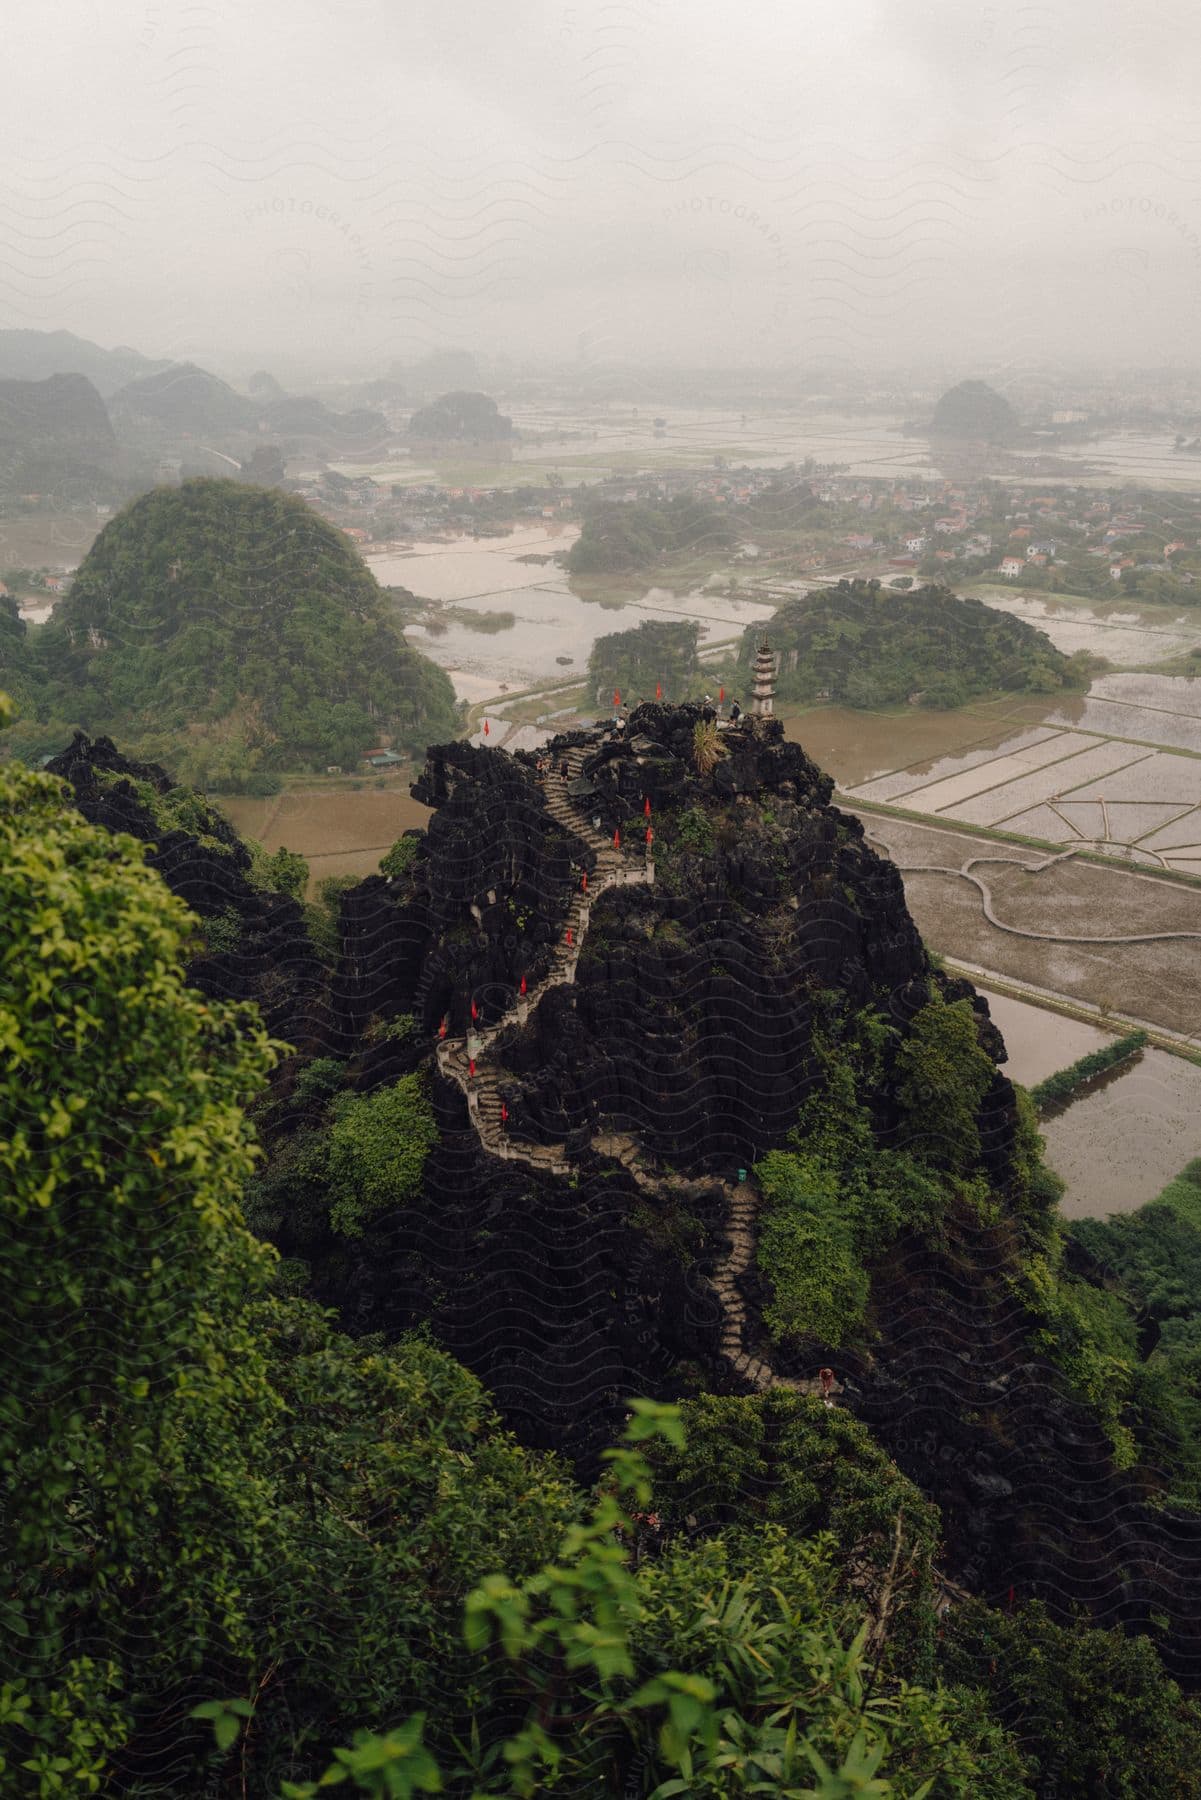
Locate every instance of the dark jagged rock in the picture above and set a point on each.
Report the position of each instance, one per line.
(274, 962)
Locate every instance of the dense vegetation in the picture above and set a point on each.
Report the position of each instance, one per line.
(236, 616)
(654, 654)
(246, 1555)
(1064, 1083)
(863, 645)
(626, 537)
(1153, 1257)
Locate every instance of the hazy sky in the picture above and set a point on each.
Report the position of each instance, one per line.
(991, 183)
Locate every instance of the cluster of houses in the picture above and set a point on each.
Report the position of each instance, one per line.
(943, 525)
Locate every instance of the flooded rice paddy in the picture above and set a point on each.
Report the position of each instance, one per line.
(1128, 783)
(1119, 1144)
(549, 620)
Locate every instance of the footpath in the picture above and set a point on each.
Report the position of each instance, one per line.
(472, 1064)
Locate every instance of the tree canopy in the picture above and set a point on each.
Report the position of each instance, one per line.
(622, 537)
(658, 652)
(863, 645)
(236, 614)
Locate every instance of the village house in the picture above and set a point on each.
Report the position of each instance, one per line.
(1116, 569)
(1011, 566)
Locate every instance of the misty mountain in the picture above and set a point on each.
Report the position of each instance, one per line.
(36, 355)
(56, 437)
(63, 411)
(974, 410)
(183, 397)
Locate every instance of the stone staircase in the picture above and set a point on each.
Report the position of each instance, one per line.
(614, 866)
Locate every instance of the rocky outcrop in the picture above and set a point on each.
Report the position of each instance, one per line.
(272, 960)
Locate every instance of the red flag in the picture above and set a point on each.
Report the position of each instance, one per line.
(721, 694)
(569, 934)
(650, 836)
(442, 1029)
(485, 728)
(471, 1068)
(616, 697)
(646, 807)
(475, 1012)
(617, 840)
(584, 882)
(504, 1113)
(523, 984)
(658, 690)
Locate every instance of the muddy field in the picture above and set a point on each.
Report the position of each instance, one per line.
(1158, 982)
(856, 746)
(338, 831)
(1119, 1147)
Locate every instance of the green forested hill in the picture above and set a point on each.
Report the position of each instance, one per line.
(617, 537)
(235, 615)
(864, 645)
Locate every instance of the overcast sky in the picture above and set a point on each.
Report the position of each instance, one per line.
(989, 183)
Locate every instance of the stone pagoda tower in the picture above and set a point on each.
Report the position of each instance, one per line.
(764, 692)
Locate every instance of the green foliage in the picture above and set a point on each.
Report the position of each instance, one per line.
(635, 662)
(126, 1268)
(1094, 1709)
(400, 1030)
(377, 1149)
(285, 872)
(943, 1074)
(324, 917)
(869, 646)
(401, 857)
(835, 1198)
(1064, 1083)
(195, 1474)
(1090, 1336)
(785, 1459)
(692, 829)
(1154, 1255)
(619, 538)
(319, 1080)
(223, 934)
(239, 613)
(725, 1668)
